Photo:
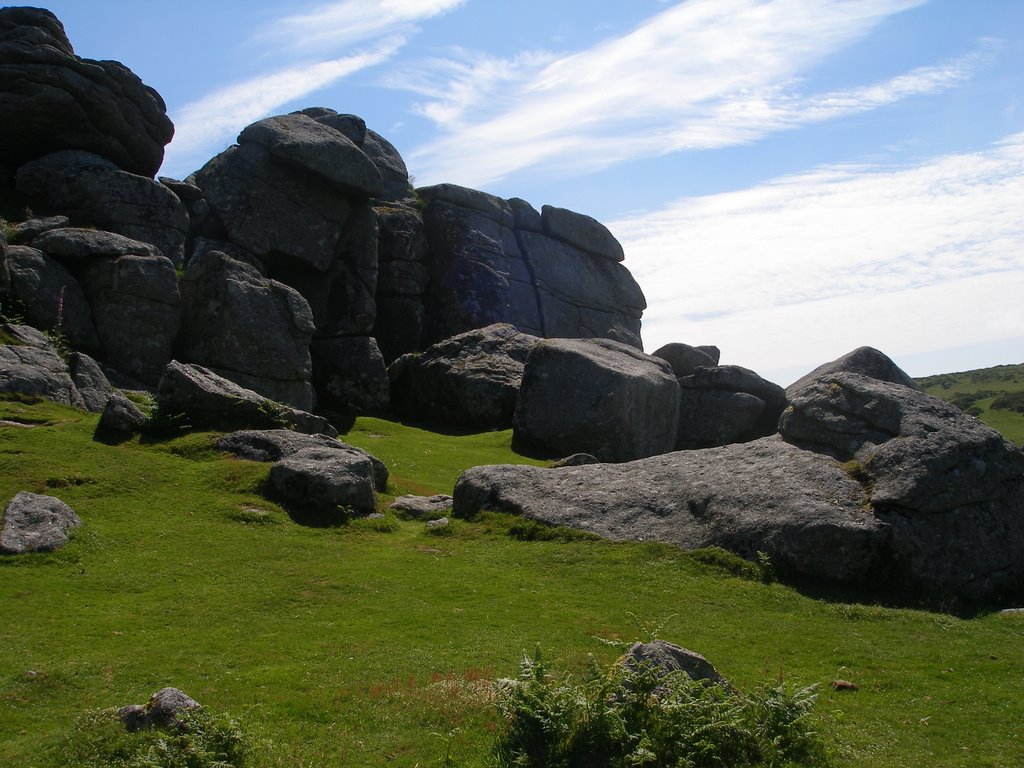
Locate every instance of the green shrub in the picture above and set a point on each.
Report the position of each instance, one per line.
(641, 717)
(99, 740)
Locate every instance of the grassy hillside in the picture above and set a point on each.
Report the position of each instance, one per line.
(373, 643)
(995, 395)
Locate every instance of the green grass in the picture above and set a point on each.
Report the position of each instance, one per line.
(374, 643)
(982, 389)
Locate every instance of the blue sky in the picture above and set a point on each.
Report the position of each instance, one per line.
(790, 179)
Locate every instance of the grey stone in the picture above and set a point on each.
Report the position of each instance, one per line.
(26, 231)
(524, 216)
(163, 710)
(422, 506)
(33, 367)
(352, 127)
(580, 231)
(349, 374)
(92, 191)
(324, 481)
(236, 321)
(596, 396)
(712, 417)
(734, 378)
(392, 168)
(272, 211)
(471, 379)
(685, 359)
(91, 382)
(210, 401)
(36, 523)
(137, 311)
(866, 361)
(52, 99)
(51, 295)
(75, 245)
(664, 658)
(441, 522)
(277, 444)
(305, 144)
(575, 460)
(120, 417)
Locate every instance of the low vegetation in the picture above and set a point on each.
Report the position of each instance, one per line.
(995, 395)
(377, 642)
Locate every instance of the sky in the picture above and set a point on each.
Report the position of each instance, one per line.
(790, 179)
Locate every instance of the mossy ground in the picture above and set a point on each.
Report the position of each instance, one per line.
(373, 642)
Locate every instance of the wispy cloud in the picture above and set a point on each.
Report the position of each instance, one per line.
(218, 116)
(702, 74)
(802, 269)
(205, 125)
(349, 21)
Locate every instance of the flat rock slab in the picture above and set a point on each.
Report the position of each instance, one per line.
(422, 506)
(36, 523)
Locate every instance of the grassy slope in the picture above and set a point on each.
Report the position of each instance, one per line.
(365, 644)
(984, 382)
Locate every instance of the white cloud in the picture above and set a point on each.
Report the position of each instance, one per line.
(216, 118)
(704, 73)
(805, 268)
(349, 21)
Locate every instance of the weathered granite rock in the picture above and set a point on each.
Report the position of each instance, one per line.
(52, 99)
(422, 506)
(51, 295)
(74, 246)
(596, 396)
(137, 311)
(272, 211)
(485, 270)
(580, 231)
(24, 232)
(726, 404)
(120, 418)
(163, 710)
(711, 417)
(402, 281)
(663, 658)
(866, 361)
(685, 359)
(472, 379)
(211, 401)
(311, 147)
(95, 192)
(36, 523)
(349, 374)
(324, 481)
(90, 381)
(277, 444)
(235, 321)
(927, 501)
(393, 171)
(33, 367)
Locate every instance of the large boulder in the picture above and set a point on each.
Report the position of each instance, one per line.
(402, 280)
(326, 482)
(36, 523)
(93, 191)
(137, 311)
(496, 261)
(90, 381)
(277, 444)
(595, 396)
(867, 361)
(472, 379)
(163, 710)
(869, 483)
(724, 404)
(312, 147)
(51, 99)
(349, 374)
(242, 325)
(206, 400)
(51, 296)
(32, 366)
(685, 359)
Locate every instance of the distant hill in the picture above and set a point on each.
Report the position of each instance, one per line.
(995, 395)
